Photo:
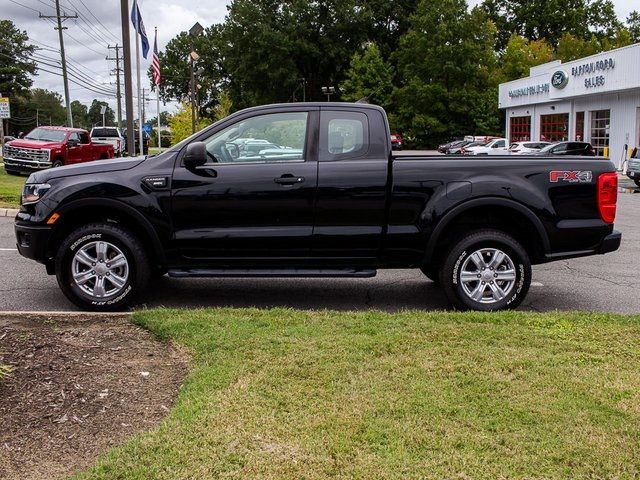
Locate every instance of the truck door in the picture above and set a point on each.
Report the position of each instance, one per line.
(253, 201)
(74, 149)
(353, 161)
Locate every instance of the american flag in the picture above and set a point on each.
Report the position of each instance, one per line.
(155, 61)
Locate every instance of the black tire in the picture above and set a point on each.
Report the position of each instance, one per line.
(450, 274)
(126, 242)
(57, 163)
(431, 273)
(637, 182)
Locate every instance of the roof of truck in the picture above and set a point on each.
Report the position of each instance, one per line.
(62, 129)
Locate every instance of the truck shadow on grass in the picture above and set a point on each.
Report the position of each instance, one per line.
(390, 290)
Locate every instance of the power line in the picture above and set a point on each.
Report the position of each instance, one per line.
(29, 8)
(75, 72)
(77, 83)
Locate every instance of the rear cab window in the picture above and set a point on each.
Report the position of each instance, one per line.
(343, 135)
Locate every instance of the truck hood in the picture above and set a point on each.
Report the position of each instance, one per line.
(24, 143)
(98, 166)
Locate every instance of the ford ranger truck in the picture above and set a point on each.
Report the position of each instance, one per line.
(326, 197)
(45, 147)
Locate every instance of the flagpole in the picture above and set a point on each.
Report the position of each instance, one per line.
(158, 98)
(139, 98)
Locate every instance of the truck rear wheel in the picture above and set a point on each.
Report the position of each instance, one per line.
(101, 267)
(487, 270)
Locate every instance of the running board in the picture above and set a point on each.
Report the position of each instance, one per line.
(271, 273)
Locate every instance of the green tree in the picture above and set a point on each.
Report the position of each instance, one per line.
(180, 123)
(164, 119)
(633, 24)
(571, 47)
(37, 106)
(94, 117)
(79, 112)
(521, 54)
(370, 77)
(16, 65)
(447, 67)
(224, 107)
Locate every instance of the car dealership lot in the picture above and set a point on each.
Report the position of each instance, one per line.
(601, 283)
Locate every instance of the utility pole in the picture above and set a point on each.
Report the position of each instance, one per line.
(145, 99)
(117, 71)
(128, 87)
(60, 18)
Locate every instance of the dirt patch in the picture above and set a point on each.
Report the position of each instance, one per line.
(78, 387)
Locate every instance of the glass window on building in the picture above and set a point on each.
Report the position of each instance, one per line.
(520, 129)
(579, 127)
(554, 127)
(600, 131)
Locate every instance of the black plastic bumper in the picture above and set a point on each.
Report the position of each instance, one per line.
(32, 241)
(611, 242)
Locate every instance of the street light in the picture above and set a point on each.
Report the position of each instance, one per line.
(328, 91)
(194, 31)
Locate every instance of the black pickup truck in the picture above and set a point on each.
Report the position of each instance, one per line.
(313, 190)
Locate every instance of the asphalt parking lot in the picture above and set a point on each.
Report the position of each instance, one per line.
(608, 283)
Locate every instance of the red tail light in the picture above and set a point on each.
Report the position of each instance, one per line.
(607, 196)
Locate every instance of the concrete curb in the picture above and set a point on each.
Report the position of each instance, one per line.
(8, 212)
(35, 313)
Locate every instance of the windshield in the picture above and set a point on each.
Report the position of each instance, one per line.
(104, 132)
(548, 147)
(46, 135)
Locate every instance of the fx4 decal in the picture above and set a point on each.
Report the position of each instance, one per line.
(572, 176)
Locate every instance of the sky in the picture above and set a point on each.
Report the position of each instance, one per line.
(98, 25)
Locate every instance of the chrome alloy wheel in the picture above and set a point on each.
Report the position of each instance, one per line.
(100, 269)
(488, 275)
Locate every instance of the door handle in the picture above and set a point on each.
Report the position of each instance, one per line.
(288, 179)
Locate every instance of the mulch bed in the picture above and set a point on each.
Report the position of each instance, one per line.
(78, 387)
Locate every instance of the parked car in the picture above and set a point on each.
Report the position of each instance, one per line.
(633, 168)
(145, 142)
(8, 138)
(46, 147)
(519, 148)
(568, 148)
(110, 135)
(344, 206)
(459, 149)
(497, 146)
(397, 142)
(454, 143)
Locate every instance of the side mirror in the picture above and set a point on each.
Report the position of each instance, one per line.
(73, 143)
(195, 156)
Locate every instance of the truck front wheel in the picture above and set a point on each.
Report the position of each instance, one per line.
(58, 163)
(101, 267)
(487, 270)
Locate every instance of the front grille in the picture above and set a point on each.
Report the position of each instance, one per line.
(30, 156)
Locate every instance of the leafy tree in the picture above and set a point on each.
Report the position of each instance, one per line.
(15, 63)
(79, 112)
(94, 116)
(37, 106)
(224, 107)
(571, 47)
(521, 54)
(447, 67)
(164, 119)
(633, 24)
(550, 19)
(180, 123)
(370, 77)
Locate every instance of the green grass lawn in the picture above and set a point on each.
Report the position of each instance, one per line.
(10, 189)
(296, 394)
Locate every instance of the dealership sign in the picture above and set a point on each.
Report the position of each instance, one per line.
(5, 112)
(532, 90)
(595, 70)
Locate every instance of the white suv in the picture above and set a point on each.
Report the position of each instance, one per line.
(110, 135)
(497, 146)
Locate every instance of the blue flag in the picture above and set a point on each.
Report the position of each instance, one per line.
(138, 25)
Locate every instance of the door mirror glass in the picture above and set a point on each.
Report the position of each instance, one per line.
(195, 156)
(73, 142)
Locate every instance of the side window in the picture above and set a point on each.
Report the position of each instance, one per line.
(499, 144)
(276, 137)
(74, 137)
(343, 135)
(84, 138)
(562, 148)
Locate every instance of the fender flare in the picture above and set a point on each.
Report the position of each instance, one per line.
(452, 214)
(124, 208)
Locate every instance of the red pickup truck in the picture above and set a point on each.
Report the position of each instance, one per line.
(46, 147)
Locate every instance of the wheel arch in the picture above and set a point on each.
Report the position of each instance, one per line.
(81, 212)
(506, 215)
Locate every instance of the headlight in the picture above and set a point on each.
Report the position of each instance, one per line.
(34, 192)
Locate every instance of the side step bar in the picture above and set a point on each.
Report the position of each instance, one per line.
(271, 273)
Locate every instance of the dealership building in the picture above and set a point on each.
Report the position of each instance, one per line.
(594, 99)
